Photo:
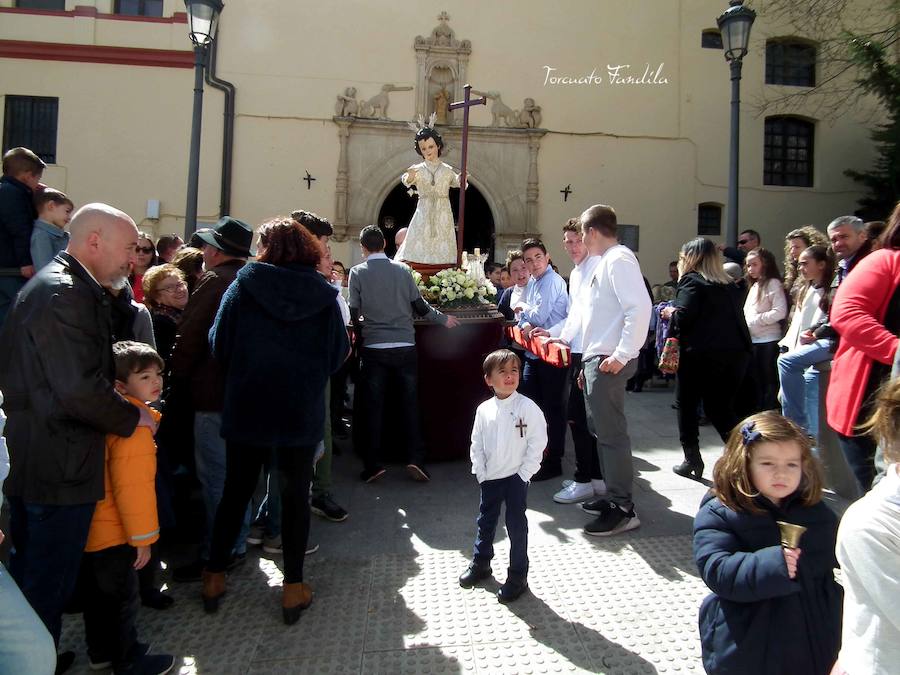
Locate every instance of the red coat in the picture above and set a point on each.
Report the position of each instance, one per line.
(860, 305)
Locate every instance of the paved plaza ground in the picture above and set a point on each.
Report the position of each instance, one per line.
(387, 598)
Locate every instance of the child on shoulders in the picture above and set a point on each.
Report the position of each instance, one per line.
(124, 525)
(772, 609)
(508, 440)
(49, 235)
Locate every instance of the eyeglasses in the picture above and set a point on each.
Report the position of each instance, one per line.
(144, 249)
(174, 287)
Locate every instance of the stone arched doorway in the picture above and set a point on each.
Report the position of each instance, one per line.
(398, 207)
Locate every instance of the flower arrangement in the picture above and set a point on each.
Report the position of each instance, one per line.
(454, 288)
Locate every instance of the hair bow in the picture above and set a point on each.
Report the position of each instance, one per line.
(749, 433)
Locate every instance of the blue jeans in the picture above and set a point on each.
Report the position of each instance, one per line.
(799, 384)
(209, 455)
(26, 647)
(48, 544)
(513, 491)
(265, 507)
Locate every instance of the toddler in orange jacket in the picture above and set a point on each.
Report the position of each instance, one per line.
(124, 526)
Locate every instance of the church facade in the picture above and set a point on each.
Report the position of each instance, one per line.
(620, 103)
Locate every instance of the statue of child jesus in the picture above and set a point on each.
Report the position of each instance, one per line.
(431, 238)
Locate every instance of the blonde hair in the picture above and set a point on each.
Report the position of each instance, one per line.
(884, 424)
(154, 277)
(700, 255)
(731, 475)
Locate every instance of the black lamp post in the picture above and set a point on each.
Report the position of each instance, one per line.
(203, 19)
(734, 24)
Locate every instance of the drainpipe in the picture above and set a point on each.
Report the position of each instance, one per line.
(228, 131)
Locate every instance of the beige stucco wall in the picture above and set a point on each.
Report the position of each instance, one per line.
(652, 151)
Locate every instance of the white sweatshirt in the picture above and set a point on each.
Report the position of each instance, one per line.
(868, 549)
(764, 314)
(509, 436)
(615, 312)
(806, 315)
(569, 329)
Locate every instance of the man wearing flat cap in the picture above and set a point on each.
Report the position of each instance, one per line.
(226, 248)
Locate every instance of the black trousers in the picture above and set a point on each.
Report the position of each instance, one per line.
(379, 366)
(546, 385)
(109, 585)
(587, 462)
(713, 378)
(242, 466)
(764, 375)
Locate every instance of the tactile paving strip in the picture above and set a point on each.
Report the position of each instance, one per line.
(618, 606)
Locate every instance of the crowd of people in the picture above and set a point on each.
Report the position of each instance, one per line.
(128, 362)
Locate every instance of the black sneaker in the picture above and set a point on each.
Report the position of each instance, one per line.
(371, 475)
(151, 664)
(323, 505)
(138, 650)
(612, 521)
(547, 471)
(596, 507)
(418, 473)
(156, 599)
(190, 572)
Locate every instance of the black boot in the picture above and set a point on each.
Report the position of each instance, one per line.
(474, 573)
(514, 587)
(692, 466)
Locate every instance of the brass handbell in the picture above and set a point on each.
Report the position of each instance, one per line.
(790, 534)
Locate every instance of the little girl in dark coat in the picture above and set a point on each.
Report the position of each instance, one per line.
(773, 610)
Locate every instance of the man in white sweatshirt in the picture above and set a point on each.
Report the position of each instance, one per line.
(615, 316)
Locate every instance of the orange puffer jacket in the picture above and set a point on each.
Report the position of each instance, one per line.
(127, 514)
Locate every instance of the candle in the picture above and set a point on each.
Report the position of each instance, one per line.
(477, 252)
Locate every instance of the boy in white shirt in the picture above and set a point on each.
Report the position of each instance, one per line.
(508, 441)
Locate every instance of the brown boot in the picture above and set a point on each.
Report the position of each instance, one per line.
(295, 598)
(213, 590)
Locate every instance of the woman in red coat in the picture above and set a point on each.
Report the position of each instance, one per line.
(866, 314)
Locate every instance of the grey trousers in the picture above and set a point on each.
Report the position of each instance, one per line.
(604, 400)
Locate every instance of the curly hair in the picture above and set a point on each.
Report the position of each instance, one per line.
(731, 475)
(154, 277)
(286, 241)
(424, 134)
(811, 237)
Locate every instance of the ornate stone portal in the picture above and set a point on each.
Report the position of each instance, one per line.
(502, 160)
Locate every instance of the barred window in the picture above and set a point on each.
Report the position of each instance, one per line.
(139, 7)
(709, 219)
(41, 4)
(711, 39)
(30, 122)
(791, 63)
(788, 152)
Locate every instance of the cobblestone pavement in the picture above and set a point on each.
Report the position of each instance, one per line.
(387, 599)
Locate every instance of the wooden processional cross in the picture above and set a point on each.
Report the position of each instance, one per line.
(465, 104)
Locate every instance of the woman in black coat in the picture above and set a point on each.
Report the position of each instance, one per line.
(708, 320)
(278, 337)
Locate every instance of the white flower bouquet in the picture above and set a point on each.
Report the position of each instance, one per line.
(454, 288)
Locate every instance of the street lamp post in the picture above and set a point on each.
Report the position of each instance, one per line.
(734, 24)
(203, 18)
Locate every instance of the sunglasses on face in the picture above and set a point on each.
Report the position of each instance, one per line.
(144, 249)
(742, 242)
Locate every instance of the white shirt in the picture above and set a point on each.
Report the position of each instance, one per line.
(868, 549)
(509, 436)
(615, 312)
(763, 314)
(807, 314)
(570, 329)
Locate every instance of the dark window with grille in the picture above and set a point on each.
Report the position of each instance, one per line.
(30, 122)
(709, 219)
(791, 63)
(630, 236)
(788, 152)
(711, 39)
(139, 7)
(42, 4)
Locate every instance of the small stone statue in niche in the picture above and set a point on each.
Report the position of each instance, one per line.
(441, 106)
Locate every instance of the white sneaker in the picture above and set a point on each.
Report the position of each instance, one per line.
(567, 482)
(574, 493)
(599, 486)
